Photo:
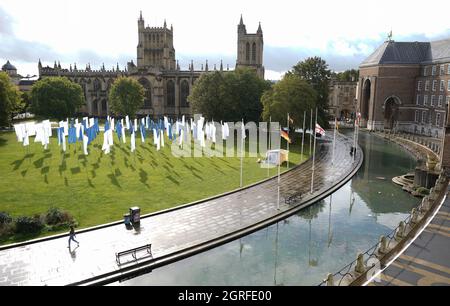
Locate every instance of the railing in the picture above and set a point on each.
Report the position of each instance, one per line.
(371, 257)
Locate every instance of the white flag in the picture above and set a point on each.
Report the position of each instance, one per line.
(133, 141)
(26, 141)
(105, 146)
(85, 144)
(135, 125)
(127, 122)
(162, 138)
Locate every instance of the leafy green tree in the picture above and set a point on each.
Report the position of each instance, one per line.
(56, 97)
(315, 71)
(126, 96)
(10, 101)
(291, 95)
(347, 75)
(229, 96)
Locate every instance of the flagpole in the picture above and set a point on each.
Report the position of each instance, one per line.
(303, 134)
(288, 140)
(312, 131)
(279, 165)
(334, 140)
(242, 148)
(270, 121)
(314, 155)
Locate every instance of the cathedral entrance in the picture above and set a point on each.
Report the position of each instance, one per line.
(391, 112)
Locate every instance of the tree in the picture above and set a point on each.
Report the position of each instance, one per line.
(291, 95)
(230, 96)
(10, 101)
(315, 71)
(347, 76)
(126, 96)
(56, 97)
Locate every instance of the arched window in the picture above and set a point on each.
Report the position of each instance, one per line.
(247, 51)
(147, 92)
(104, 108)
(184, 93)
(254, 52)
(97, 85)
(95, 107)
(170, 93)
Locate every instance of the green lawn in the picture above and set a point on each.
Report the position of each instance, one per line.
(100, 188)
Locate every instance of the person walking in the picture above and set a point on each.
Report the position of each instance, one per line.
(72, 236)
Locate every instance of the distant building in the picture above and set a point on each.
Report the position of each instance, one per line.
(166, 85)
(341, 99)
(23, 83)
(406, 86)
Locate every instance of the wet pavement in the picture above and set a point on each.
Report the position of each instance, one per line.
(51, 262)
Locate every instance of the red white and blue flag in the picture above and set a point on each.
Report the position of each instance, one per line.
(319, 130)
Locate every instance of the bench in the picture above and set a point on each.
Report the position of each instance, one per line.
(147, 247)
(293, 198)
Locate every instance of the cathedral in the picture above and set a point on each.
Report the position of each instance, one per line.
(157, 70)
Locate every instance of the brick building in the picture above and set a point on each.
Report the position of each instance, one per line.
(406, 86)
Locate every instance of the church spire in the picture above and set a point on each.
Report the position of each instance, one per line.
(259, 29)
(140, 16)
(221, 65)
(165, 24)
(241, 22)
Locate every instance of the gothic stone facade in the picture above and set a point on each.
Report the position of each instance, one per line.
(166, 86)
(341, 99)
(405, 86)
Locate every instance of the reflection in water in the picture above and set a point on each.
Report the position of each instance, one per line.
(321, 238)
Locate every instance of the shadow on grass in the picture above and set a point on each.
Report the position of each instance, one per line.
(62, 168)
(3, 142)
(90, 183)
(143, 177)
(75, 170)
(45, 170)
(114, 180)
(173, 180)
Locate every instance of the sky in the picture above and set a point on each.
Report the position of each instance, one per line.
(342, 32)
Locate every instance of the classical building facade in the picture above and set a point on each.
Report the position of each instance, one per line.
(166, 85)
(341, 99)
(406, 86)
(23, 83)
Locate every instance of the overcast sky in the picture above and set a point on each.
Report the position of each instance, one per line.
(99, 31)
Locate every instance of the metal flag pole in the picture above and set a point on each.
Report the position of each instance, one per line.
(288, 140)
(303, 134)
(242, 148)
(311, 130)
(444, 124)
(334, 140)
(270, 133)
(279, 165)
(314, 155)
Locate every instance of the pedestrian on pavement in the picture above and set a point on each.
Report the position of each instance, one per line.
(72, 236)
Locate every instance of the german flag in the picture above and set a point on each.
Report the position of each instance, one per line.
(285, 135)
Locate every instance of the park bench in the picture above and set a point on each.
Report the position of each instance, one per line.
(293, 198)
(133, 252)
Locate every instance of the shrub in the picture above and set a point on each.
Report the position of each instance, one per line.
(28, 225)
(423, 191)
(5, 218)
(57, 216)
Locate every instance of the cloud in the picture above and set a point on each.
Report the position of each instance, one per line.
(16, 49)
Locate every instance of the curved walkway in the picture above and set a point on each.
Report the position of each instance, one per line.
(426, 261)
(176, 233)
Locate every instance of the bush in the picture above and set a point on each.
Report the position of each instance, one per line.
(28, 225)
(5, 218)
(57, 216)
(423, 191)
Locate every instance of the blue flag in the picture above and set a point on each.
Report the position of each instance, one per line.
(142, 131)
(72, 134)
(106, 125)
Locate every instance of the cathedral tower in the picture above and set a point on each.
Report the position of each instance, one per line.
(155, 46)
(250, 49)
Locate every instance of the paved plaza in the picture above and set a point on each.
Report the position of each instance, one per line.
(171, 233)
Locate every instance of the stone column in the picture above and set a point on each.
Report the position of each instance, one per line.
(446, 150)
